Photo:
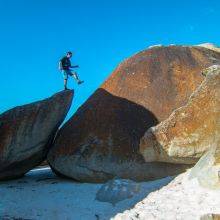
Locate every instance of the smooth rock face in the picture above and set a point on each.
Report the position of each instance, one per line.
(26, 133)
(101, 140)
(161, 79)
(207, 169)
(190, 130)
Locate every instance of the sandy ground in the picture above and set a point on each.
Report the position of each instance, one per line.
(180, 199)
(42, 195)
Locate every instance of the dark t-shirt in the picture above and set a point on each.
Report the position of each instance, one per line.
(65, 62)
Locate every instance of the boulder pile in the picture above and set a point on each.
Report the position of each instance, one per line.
(102, 139)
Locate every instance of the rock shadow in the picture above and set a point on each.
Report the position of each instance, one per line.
(101, 141)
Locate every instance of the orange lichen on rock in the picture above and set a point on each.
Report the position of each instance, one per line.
(190, 130)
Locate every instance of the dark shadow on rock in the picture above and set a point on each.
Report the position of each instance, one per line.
(101, 141)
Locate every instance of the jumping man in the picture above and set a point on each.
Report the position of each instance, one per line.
(65, 66)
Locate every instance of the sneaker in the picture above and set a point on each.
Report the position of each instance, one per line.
(80, 82)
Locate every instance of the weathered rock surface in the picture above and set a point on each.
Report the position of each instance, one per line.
(101, 140)
(190, 130)
(26, 133)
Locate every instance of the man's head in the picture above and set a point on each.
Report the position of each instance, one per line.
(69, 54)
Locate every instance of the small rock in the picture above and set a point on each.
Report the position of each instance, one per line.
(117, 190)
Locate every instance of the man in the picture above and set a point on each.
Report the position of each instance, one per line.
(65, 66)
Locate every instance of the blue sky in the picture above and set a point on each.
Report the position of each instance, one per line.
(34, 34)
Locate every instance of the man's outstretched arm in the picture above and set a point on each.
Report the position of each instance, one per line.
(76, 66)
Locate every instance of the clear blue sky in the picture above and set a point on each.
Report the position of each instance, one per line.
(34, 34)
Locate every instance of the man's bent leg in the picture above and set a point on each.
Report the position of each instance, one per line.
(76, 77)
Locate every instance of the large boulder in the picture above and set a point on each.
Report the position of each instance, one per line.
(26, 133)
(101, 140)
(190, 130)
